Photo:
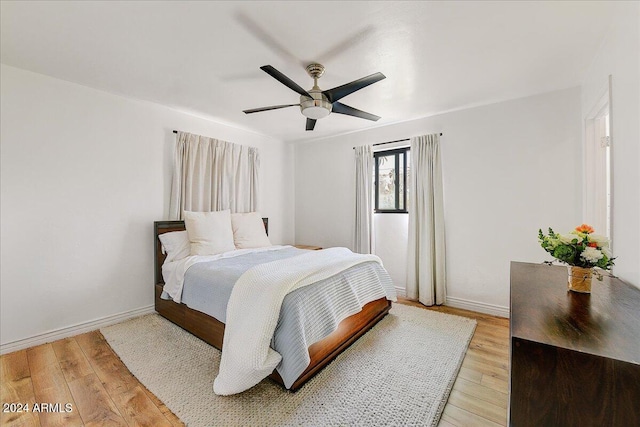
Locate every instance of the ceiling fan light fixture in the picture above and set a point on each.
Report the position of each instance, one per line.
(316, 107)
(315, 112)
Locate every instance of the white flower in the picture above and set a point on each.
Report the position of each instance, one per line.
(591, 255)
(568, 238)
(601, 241)
(605, 250)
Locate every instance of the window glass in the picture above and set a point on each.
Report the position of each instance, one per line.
(386, 182)
(391, 180)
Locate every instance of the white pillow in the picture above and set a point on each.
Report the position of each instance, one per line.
(176, 245)
(209, 232)
(248, 231)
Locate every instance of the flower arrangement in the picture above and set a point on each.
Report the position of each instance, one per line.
(579, 248)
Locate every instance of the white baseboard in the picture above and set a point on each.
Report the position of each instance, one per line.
(73, 330)
(480, 307)
(80, 328)
(465, 304)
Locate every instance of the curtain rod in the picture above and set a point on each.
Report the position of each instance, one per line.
(391, 142)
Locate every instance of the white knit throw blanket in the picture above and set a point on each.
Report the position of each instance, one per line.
(254, 308)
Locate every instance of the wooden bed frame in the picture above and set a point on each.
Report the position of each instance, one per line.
(211, 330)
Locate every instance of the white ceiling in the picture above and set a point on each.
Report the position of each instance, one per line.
(204, 57)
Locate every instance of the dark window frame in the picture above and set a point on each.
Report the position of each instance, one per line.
(396, 152)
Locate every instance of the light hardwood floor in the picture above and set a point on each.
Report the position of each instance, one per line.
(479, 396)
(85, 372)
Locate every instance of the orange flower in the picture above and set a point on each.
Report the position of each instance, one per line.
(584, 228)
(592, 244)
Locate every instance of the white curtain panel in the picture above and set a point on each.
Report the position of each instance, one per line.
(364, 193)
(426, 251)
(212, 175)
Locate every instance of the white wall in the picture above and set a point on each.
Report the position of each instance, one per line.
(84, 175)
(391, 234)
(619, 57)
(509, 169)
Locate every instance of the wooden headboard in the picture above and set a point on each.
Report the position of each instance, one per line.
(161, 227)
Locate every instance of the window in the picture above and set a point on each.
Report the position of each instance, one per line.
(390, 180)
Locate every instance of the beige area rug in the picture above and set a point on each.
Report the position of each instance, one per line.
(399, 373)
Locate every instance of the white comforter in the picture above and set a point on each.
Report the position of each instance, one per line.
(173, 272)
(254, 308)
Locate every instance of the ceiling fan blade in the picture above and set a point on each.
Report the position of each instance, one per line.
(265, 37)
(341, 91)
(346, 44)
(341, 108)
(273, 107)
(284, 80)
(311, 123)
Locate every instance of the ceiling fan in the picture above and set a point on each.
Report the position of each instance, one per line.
(317, 103)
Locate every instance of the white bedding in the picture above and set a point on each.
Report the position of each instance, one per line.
(173, 272)
(254, 308)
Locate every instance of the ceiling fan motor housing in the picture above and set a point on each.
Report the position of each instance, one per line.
(316, 107)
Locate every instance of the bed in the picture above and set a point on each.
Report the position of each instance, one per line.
(211, 330)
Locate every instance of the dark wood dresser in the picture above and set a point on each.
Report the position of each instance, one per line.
(575, 358)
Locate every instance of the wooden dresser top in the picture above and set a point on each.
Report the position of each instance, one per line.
(604, 323)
